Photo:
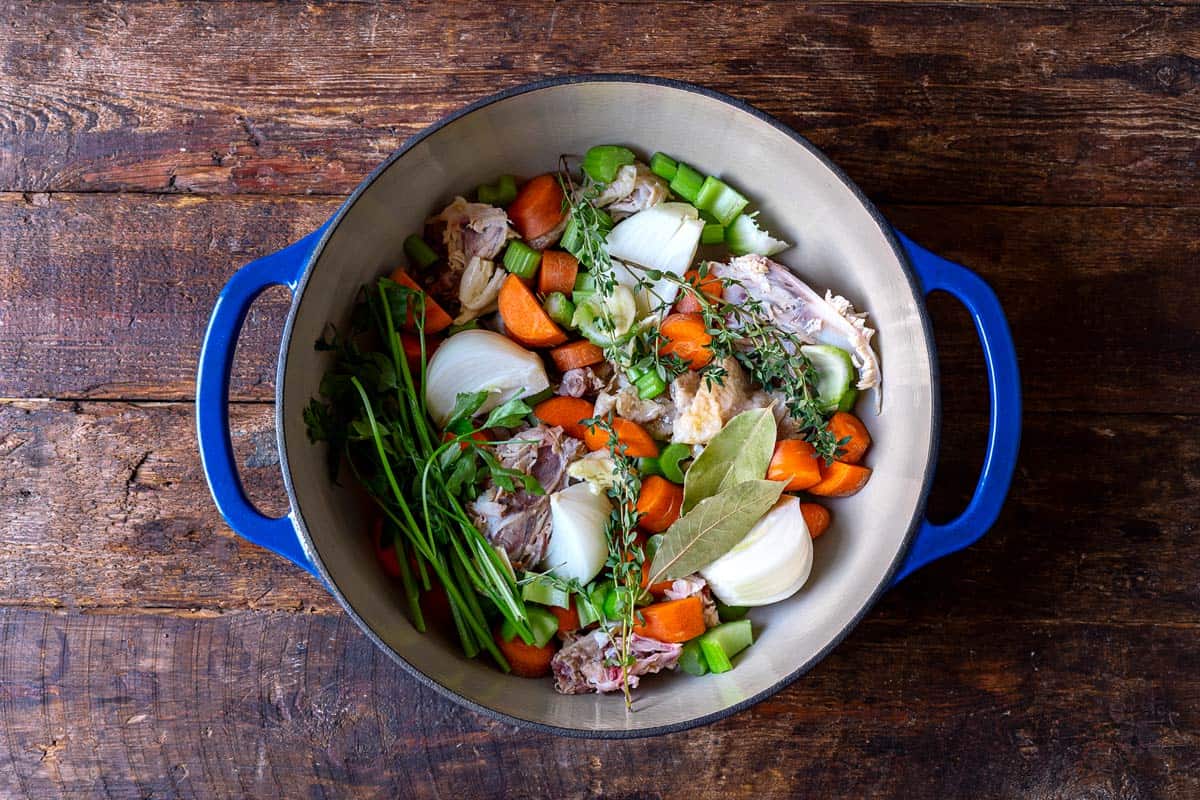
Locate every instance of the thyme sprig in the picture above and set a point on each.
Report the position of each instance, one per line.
(625, 555)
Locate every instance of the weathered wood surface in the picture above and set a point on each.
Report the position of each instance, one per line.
(996, 103)
(278, 705)
(148, 652)
(125, 320)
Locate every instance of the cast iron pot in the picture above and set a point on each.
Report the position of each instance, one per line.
(878, 537)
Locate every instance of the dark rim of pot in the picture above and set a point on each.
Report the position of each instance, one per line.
(918, 512)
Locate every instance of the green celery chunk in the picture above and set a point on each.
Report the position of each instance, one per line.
(543, 590)
(725, 641)
(602, 161)
(419, 252)
(501, 193)
(730, 613)
(691, 660)
(542, 623)
(663, 166)
(721, 200)
(687, 183)
(648, 465)
(650, 385)
(669, 461)
(521, 260)
(712, 233)
(559, 308)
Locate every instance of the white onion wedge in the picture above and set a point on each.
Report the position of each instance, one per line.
(578, 546)
(481, 360)
(770, 564)
(663, 237)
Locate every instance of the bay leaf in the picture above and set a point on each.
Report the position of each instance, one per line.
(712, 528)
(741, 451)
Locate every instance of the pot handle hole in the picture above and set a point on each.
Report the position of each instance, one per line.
(1004, 393)
(282, 268)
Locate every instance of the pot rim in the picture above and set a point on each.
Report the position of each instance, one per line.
(930, 459)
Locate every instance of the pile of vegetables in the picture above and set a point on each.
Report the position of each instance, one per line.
(415, 408)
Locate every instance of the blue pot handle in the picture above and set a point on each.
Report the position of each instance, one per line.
(282, 268)
(1004, 390)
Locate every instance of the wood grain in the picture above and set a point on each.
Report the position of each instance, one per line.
(126, 320)
(276, 705)
(938, 103)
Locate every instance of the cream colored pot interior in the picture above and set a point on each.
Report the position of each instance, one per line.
(839, 245)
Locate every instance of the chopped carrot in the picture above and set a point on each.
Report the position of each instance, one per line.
(435, 605)
(576, 354)
(524, 318)
(568, 618)
(840, 479)
(385, 549)
(687, 338)
(479, 436)
(672, 620)
(526, 660)
(436, 318)
(796, 462)
(567, 413)
(656, 589)
(847, 426)
(710, 285)
(538, 207)
(412, 350)
(659, 504)
(558, 272)
(637, 442)
(816, 517)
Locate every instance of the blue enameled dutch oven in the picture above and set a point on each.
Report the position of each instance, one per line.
(879, 536)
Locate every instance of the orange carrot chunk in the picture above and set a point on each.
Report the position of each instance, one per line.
(685, 336)
(576, 354)
(672, 620)
(636, 441)
(840, 479)
(847, 426)
(568, 618)
(538, 208)
(412, 351)
(659, 504)
(656, 589)
(710, 285)
(567, 413)
(436, 318)
(558, 272)
(526, 660)
(524, 318)
(796, 462)
(816, 517)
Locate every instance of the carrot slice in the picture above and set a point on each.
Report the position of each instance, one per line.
(524, 318)
(840, 479)
(843, 425)
(687, 338)
(412, 350)
(385, 549)
(672, 620)
(567, 413)
(659, 504)
(709, 285)
(526, 660)
(796, 462)
(538, 207)
(816, 516)
(558, 272)
(576, 354)
(637, 442)
(436, 318)
(656, 589)
(568, 618)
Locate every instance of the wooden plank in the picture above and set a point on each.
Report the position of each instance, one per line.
(109, 511)
(1102, 301)
(938, 102)
(275, 705)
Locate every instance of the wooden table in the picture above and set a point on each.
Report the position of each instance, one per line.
(149, 149)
